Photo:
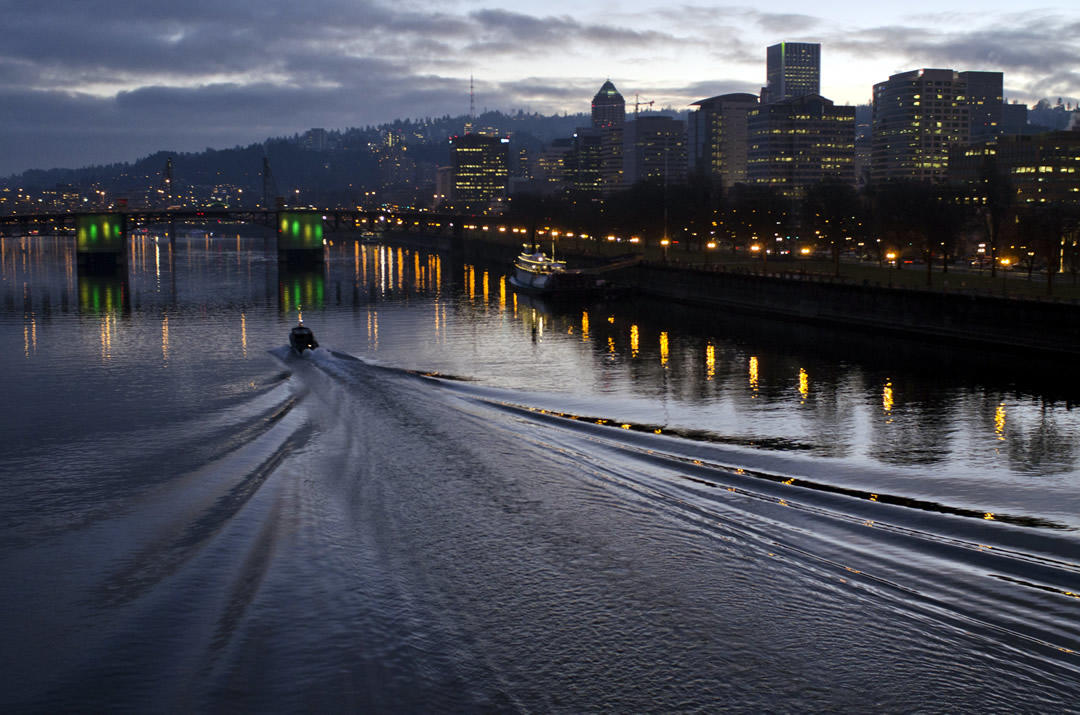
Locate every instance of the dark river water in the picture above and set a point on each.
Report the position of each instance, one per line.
(467, 500)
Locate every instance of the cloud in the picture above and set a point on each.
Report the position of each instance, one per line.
(1023, 45)
(97, 80)
(704, 90)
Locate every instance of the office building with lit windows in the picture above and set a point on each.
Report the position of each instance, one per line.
(792, 69)
(1042, 168)
(717, 137)
(919, 116)
(585, 162)
(799, 142)
(984, 93)
(608, 120)
(655, 149)
(480, 170)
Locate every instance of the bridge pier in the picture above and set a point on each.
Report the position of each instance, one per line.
(300, 237)
(457, 237)
(101, 241)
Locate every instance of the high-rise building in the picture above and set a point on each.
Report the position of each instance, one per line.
(799, 142)
(1042, 168)
(984, 95)
(655, 148)
(586, 161)
(717, 142)
(551, 166)
(792, 69)
(608, 118)
(480, 169)
(917, 117)
(1014, 118)
(608, 107)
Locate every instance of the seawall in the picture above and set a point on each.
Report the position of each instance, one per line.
(1045, 326)
(1014, 324)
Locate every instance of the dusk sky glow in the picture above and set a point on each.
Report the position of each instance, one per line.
(102, 80)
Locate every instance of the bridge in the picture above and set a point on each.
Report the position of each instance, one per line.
(101, 236)
(58, 222)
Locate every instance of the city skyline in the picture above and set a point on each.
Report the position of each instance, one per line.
(105, 82)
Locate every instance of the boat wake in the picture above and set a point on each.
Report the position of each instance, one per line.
(355, 536)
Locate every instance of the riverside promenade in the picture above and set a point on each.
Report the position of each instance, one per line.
(1009, 311)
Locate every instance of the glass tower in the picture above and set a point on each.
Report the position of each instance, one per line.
(793, 69)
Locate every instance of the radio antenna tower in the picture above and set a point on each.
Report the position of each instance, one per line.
(269, 185)
(472, 107)
(167, 182)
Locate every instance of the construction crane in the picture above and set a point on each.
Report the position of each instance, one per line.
(638, 103)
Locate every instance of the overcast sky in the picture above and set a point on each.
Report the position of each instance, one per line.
(93, 81)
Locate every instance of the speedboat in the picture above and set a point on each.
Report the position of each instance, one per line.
(301, 338)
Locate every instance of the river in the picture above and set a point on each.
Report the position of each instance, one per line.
(468, 500)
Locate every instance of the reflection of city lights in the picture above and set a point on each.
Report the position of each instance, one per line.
(710, 361)
(611, 345)
(999, 422)
(373, 329)
(584, 326)
(634, 340)
(400, 270)
(383, 269)
(887, 397)
(663, 349)
(753, 374)
(804, 383)
(165, 339)
(243, 334)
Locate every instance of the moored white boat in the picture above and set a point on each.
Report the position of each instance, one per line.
(536, 272)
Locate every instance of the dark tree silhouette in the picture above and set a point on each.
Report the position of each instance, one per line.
(832, 209)
(998, 193)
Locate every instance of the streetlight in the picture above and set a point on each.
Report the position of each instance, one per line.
(665, 243)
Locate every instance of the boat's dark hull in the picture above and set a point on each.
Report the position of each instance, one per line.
(301, 338)
(553, 283)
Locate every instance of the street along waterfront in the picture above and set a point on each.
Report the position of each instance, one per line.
(470, 500)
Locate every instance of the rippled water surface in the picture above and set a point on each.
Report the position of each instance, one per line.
(469, 500)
